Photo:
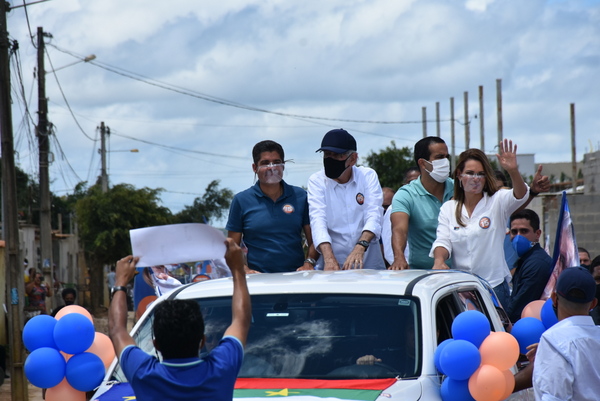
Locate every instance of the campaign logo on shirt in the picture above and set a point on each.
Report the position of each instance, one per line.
(360, 198)
(485, 223)
(287, 208)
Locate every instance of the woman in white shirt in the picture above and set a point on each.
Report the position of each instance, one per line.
(472, 226)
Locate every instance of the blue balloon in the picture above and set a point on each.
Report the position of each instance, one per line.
(460, 359)
(472, 326)
(38, 332)
(527, 331)
(85, 371)
(455, 390)
(45, 367)
(74, 333)
(438, 352)
(549, 318)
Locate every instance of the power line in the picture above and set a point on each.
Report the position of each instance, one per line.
(65, 98)
(225, 102)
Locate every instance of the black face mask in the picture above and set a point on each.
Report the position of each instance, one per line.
(334, 168)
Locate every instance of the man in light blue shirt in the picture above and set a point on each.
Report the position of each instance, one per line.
(416, 206)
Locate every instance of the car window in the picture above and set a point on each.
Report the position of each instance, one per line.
(454, 303)
(471, 300)
(318, 336)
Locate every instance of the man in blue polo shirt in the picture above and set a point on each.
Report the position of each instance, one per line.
(416, 206)
(178, 333)
(271, 216)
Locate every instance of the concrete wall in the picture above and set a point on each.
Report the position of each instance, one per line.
(591, 173)
(585, 213)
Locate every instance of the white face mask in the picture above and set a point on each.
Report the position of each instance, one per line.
(441, 169)
(270, 173)
(472, 184)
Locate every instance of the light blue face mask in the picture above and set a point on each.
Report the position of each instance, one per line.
(521, 244)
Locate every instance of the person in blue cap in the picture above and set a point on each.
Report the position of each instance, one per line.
(566, 363)
(345, 207)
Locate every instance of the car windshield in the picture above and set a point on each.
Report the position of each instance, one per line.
(317, 336)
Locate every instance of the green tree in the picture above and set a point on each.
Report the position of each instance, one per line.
(104, 221)
(391, 163)
(212, 205)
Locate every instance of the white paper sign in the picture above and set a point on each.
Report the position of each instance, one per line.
(176, 243)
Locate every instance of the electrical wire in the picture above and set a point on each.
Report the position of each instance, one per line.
(225, 102)
(65, 98)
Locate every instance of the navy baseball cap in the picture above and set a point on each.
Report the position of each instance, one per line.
(338, 141)
(576, 284)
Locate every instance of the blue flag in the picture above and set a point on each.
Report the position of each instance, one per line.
(565, 247)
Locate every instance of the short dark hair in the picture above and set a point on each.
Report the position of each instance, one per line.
(68, 291)
(422, 147)
(178, 328)
(583, 250)
(595, 262)
(266, 146)
(527, 214)
(500, 176)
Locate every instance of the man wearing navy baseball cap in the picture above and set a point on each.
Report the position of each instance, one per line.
(566, 364)
(345, 207)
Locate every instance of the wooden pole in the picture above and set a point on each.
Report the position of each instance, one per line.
(499, 109)
(424, 116)
(481, 125)
(437, 118)
(573, 149)
(14, 270)
(467, 124)
(452, 140)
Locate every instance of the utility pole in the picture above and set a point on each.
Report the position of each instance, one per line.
(452, 141)
(104, 131)
(424, 117)
(499, 107)
(10, 228)
(44, 149)
(437, 119)
(481, 125)
(467, 123)
(573, 150)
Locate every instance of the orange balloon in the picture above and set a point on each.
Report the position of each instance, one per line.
(64, 392)
(144, 302)
(487, 384)
(66, 356)
(74, 309)
(533, 309)
(499, 349)
(510, 384)
(103, 348)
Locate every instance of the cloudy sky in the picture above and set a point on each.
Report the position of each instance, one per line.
(195, 84)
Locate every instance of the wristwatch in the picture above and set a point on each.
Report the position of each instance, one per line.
(119, 288)
(311, 261)
(363, 243)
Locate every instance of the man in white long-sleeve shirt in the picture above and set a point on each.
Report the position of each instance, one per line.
(566, 364)
(345, 207)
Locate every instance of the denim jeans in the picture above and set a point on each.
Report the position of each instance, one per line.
(503, 293)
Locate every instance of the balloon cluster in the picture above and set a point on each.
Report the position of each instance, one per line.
(67, 356)
(536, 317)
(476, 361)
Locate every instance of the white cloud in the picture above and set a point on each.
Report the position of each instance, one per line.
(354, 59)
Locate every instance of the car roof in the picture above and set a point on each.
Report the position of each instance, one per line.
(404, 282)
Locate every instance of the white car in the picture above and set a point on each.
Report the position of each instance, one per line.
(347, 335)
